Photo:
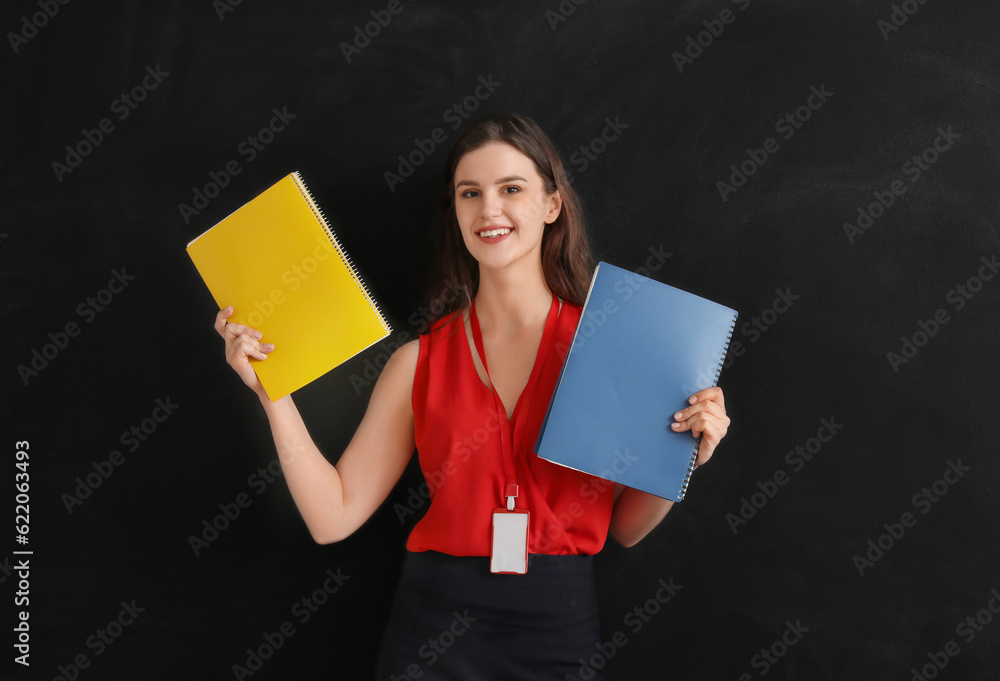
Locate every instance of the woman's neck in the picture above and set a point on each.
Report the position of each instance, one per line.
(513, 297)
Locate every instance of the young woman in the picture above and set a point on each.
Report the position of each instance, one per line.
(470, 395)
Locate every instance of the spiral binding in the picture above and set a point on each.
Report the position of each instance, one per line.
(694, 454)
(346, 259)
(725, 348)
(687, 473)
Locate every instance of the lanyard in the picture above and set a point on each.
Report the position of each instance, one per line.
(507, 438)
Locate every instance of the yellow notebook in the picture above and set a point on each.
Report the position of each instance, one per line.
(280, 266)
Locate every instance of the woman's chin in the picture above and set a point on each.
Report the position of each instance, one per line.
(494, 261)
(502, 256)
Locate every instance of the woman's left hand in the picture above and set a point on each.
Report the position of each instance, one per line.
(705, 418)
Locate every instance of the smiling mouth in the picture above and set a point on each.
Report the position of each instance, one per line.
(495, 232)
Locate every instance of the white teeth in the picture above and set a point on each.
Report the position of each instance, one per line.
(495, 232)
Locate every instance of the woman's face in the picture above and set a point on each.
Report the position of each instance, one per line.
(501, 205)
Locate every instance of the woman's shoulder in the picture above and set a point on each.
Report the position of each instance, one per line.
(404, 358)
(570, 309)
(444, 323)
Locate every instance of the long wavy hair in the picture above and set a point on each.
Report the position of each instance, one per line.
(567, 261)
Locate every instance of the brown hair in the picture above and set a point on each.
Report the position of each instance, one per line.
(566, 257)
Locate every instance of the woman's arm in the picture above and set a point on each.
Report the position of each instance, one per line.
(636, 513)
(336, 500)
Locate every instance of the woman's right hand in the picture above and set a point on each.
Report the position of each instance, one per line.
(242, 343)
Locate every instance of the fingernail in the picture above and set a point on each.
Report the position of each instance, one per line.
(692, 400)
(258, 334)
(675, 425)
(269, 346)
(678, 416)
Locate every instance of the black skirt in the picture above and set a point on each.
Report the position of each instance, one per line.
(453, 619)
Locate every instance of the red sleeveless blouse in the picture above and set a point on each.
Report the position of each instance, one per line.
(458, 427)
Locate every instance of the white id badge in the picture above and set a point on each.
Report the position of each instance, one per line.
(509, 555)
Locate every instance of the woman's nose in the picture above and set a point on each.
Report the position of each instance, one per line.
(491, 206)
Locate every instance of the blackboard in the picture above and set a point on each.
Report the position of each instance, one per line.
(826, 168)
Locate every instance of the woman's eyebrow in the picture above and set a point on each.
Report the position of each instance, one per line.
(502, 180)
(510, 178)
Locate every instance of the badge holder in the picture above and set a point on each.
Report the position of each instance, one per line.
(509, 552)
(509, 529)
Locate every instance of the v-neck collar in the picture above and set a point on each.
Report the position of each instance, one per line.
(536, 369)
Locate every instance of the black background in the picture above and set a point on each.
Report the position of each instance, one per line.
(654, 186)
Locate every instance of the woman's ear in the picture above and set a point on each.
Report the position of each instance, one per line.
(555, 207)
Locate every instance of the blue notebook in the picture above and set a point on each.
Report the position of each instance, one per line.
(641, 349)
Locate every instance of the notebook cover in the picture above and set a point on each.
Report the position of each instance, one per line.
(280, 266)
(641, 349)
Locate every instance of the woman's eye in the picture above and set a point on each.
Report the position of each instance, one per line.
(511, 190)
(469, 193)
